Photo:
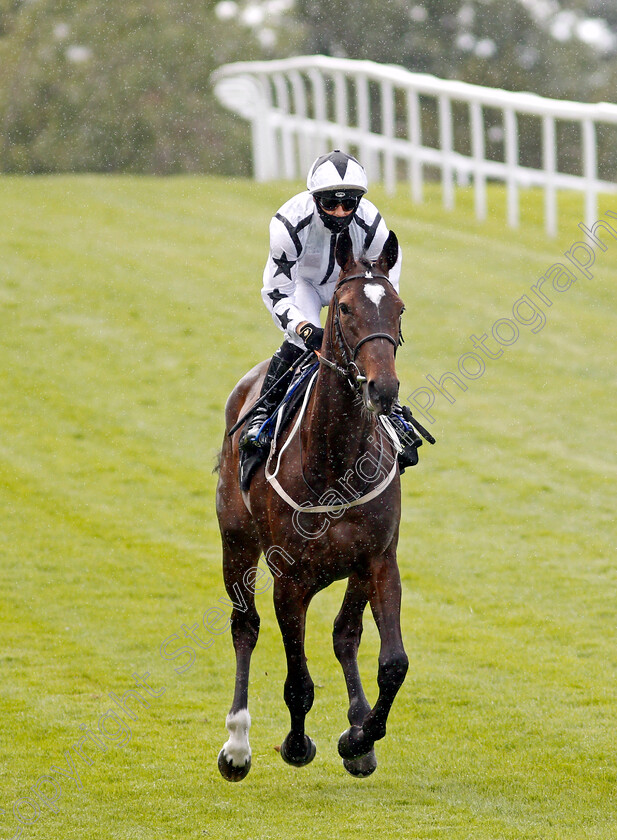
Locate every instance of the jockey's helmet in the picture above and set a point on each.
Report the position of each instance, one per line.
(336, 178)
(336, 171)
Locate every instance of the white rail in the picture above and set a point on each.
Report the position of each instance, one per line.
(302, 107)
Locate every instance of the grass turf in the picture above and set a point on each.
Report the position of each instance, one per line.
(129, 308)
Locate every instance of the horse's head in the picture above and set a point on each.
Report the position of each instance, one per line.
(363, 329)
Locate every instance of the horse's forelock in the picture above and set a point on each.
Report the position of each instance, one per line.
(361, 263)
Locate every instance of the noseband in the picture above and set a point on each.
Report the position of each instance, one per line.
(351, 371)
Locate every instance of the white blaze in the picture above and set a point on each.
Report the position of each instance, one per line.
(374, 292)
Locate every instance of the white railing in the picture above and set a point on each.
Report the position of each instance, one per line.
(399, 122)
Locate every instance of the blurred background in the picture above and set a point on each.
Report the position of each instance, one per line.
(124, 85)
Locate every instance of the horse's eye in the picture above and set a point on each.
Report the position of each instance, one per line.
(344, 308)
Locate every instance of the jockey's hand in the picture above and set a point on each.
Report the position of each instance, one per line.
(311, 335)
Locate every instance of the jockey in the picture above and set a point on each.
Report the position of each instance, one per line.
(301, 273)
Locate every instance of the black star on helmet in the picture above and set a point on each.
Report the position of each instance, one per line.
(339, 159)
(284, 318)
(284, 265)
(276, 295)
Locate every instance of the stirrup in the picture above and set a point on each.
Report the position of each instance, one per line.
(253, 446)
(409, 438)
(253, 438)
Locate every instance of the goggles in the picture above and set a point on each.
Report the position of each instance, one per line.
(330, 201)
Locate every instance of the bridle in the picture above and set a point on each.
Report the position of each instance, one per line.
(351, 371)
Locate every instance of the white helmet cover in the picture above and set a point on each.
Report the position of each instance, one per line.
(335, 171)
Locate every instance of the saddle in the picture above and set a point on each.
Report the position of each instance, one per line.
(278, 420)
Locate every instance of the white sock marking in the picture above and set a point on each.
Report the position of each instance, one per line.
(237, 749)
(374, 292)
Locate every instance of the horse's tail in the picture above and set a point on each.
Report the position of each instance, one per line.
(217, 462)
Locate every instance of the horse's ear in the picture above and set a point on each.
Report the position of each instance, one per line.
(389, 254)
(344, 251)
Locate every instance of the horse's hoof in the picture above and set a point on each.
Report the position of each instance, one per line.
(361, 767)
(231, 771)
(353, 743)
(310, 749)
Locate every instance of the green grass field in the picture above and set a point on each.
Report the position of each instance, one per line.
(129, 309)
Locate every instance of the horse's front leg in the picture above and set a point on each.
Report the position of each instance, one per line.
(385, 600)
(291, 603)
(346, 638)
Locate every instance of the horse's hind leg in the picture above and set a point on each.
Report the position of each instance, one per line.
(291, 603)
(385, 600)
(240, 557)
(346, 637)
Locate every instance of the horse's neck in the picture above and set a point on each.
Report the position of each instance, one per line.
(338, 431)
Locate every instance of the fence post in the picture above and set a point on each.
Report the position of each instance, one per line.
(414, 134)
(590, 170)
(285, 129)
(388, 130)
(549, 161)
(267, 135)
(511, 129)
(364, 124)
(479, 154)
(446, 141)
(320, 135)
(341, 109)
(299, 97)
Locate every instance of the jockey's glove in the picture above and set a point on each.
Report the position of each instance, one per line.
(312, 336)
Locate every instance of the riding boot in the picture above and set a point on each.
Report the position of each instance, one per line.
(254, 437)
(410, 440)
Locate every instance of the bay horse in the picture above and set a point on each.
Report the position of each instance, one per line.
(341, 458)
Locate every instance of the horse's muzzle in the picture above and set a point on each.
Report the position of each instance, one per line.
(380, 397)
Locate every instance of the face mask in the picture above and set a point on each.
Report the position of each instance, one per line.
(336, 224)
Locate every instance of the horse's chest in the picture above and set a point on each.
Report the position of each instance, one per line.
(340, 541)
(359, 538)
